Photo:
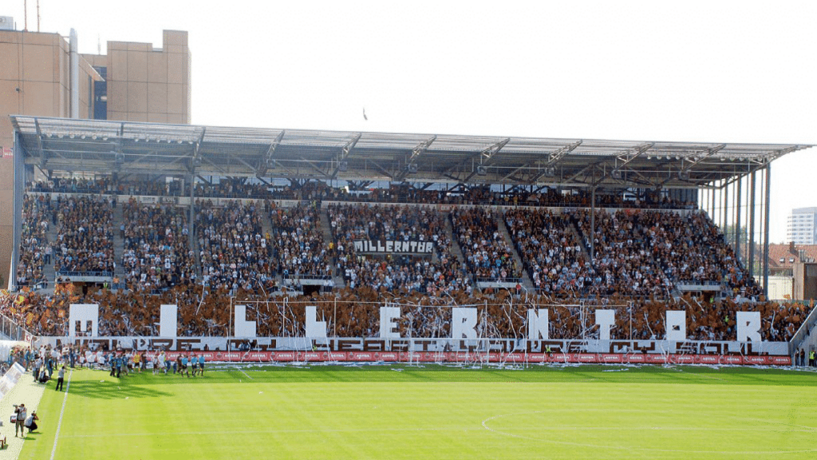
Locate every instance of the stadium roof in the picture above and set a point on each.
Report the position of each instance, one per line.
(103, 146)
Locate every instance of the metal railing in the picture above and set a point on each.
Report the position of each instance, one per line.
(488, 279)
(305, 276)
(11, 330)
(77, 274)
(802, 332)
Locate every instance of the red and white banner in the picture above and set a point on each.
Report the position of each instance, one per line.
(8, 152)
(463, 357)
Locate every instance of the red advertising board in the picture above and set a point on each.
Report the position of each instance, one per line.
(635, 359)
(463, 357)
(758, 360)
(682, 359)
(780, 360)
(731, 359)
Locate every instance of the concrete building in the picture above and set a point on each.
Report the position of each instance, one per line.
(801, 226)
(132, 82)
(787, 275)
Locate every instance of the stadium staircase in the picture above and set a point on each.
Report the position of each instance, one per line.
(806, 337)
(455, 245)
(48, 269)
(573, 228)
(327, 238)
(118, 241)
(266, 229)
(517, 260)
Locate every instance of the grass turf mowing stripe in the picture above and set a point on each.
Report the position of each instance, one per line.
(439, 412)
(62, 411)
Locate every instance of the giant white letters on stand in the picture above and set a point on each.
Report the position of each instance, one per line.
(538, 324)
(168, 321)
(83, 313)
(388, 323)
(314, 328)
(676, 325)
(605, 319)
(463, 323)
(243, 328)
(748, 326)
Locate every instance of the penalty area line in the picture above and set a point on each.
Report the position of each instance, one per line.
(242, 371)
(62, 411)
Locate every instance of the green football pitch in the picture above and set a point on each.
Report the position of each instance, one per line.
(402, 411)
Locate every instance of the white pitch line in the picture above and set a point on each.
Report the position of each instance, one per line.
(642, 449)
(242, 371)
(329, 430)
(62, 411)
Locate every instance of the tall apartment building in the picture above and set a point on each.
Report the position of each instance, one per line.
(801, 226)
(133, 82)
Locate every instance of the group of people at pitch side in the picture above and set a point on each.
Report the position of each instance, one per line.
(182, 365)
(126, 362)
(801, 355)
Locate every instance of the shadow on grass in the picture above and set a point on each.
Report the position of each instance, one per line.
(147, 385)
(258, 374)
(114, 390)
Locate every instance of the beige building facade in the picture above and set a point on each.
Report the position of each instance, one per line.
(132, 82)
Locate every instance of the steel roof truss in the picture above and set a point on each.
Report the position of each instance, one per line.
(344, 153)
(418, 150)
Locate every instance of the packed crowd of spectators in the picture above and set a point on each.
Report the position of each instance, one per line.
(296, 244)
(433, 273)
(85, 238)
(108, 186)
(395, 193)
(649, 252)
(637, 252)
(488, 255)
(233, 249)
(156, 250)
(623, 253)
(550, 252)
(35, 251)
(350, 313)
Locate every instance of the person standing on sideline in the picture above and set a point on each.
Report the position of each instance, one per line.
(183, 366)
(811, 358)
(201, 365)
(60, 378)
(22, 413)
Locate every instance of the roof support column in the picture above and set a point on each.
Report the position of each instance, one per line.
(752, 193)
(725, 210)
(738, 229)
(191, 226)
(17, 220)
(593, 226)
(767, 204)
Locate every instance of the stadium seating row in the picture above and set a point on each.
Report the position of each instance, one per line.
(637, 252)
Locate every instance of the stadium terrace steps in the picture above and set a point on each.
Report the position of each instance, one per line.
(118, 241)
(48, 269)
(574, 230)
(194, 246)
(266, 228)
(455, 245)
(327, 238)
(506, 236)
(806, 339)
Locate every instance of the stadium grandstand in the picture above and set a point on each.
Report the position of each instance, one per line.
(134, 216)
